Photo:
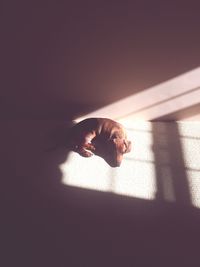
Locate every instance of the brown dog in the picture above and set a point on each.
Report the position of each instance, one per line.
(100, 136)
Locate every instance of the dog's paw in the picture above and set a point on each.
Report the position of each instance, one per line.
(85, 153)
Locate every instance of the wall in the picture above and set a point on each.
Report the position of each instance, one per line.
(70, 58)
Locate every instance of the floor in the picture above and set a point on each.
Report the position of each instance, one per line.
(60, 209)
(164, 164)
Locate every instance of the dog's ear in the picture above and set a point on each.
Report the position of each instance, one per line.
(110, 152)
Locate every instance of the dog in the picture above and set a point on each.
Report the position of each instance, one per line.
(100, 136)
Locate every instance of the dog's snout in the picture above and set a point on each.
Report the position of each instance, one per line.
(115, 164)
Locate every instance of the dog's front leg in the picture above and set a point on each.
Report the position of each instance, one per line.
(86, 148)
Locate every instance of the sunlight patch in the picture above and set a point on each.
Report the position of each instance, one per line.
(135, 177)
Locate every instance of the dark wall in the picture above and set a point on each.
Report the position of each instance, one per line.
(80, 55)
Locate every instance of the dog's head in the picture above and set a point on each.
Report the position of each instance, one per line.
(113, 149)
(117, 147)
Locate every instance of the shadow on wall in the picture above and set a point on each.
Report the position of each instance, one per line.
(172, 181)
(46, 223)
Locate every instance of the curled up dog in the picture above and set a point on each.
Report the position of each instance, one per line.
(100, 136)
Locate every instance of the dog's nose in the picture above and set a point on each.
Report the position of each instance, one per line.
(116, 161)
(115, 164)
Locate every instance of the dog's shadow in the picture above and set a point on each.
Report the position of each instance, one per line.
(31, 153)
(33, 197)
(55, 152)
